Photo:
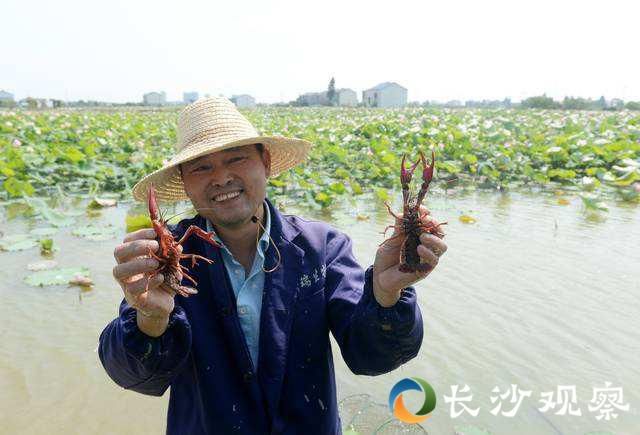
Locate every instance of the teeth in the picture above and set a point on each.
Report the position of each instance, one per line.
(226, 196)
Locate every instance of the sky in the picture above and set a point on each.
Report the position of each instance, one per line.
(276, 50)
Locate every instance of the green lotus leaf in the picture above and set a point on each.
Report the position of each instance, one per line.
(59, 276)
(94, 232)
(17, 242)
(43, 232)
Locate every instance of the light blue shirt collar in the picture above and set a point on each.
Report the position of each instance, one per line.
(263, 243)
(248, 288)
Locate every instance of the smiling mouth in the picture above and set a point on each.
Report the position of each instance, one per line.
(227, 197)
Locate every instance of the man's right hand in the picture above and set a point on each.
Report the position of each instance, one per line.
(155, 303)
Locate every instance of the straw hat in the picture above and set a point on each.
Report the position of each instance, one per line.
(214, 124)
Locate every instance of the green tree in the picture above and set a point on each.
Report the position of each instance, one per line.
(540, 102)
(572, 103)
(633, 105)
(331, 91)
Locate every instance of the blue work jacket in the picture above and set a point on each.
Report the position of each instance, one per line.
(203, 356)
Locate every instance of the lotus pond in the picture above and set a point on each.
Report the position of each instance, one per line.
(356, 150)
(539, 287)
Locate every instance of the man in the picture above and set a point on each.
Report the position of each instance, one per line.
(250, 352)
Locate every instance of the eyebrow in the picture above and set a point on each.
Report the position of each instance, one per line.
(233, 150)
(226, 151)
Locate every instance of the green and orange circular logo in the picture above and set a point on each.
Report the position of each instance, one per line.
(396, 402)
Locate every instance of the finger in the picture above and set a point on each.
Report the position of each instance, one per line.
(124, 271)
(167, 289)
(426, 256)
(136, 288)
(424, 211)
(433, 243)
(133, 249)
(144, 233)
(151, 303)
(393, 242)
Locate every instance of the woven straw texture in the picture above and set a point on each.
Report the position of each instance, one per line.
(214, 124)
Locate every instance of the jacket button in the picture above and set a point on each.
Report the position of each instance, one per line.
(248, 376)
(224, 311)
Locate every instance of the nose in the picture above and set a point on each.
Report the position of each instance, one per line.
(220, 177)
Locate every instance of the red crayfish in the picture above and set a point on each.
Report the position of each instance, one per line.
(169, 256)
(412, 220)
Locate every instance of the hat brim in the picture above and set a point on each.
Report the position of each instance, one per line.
(167, 182)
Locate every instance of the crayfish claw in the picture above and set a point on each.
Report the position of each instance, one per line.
(405, 177)
(154, 212)
(195, 230)
(406, 174)
(427, 170)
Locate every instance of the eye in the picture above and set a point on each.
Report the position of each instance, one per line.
(236, 159)
(200, 168)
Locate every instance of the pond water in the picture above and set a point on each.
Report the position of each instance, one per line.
(533, 293)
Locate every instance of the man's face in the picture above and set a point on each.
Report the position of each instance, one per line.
(228, 186)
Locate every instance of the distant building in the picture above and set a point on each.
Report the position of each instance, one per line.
(486, 104)
(6, 97)
(313, 99)
(244, 100)
(387, 94)
(189, 97)
(616, 103)
(154, 98)
(346, 97)
(36, 103)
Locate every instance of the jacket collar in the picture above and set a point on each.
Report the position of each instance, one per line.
(288, 230)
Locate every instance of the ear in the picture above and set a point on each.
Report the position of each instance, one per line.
(184, 186)
(266, 159)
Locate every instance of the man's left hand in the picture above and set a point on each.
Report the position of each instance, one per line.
(388, 281)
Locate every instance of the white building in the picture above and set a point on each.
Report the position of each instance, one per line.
(189, 97)
(244, 100)
(36, 103)
(154, 98)
(6, 97)
(346, 97)
(387, 94)
(616, 103)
